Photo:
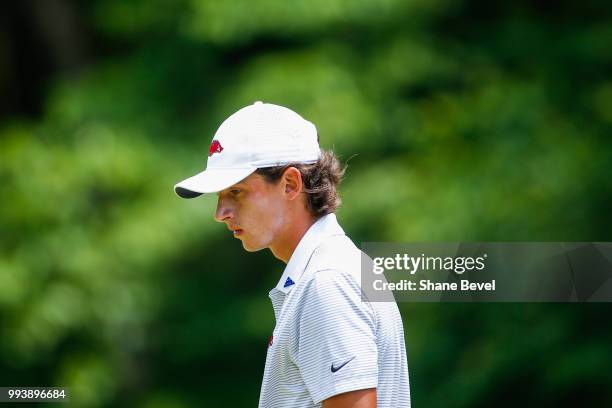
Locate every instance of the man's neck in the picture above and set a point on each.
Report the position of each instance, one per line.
(292, 237)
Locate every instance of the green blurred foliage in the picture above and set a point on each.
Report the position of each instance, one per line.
(460, 120)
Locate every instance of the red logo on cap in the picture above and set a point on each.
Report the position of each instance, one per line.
(215, 147)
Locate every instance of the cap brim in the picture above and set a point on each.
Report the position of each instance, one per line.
(210, 181)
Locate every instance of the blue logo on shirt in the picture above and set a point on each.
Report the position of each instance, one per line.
(288, 282)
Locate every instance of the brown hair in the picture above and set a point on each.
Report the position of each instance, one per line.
(320, 179)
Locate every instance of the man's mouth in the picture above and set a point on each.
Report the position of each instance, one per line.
(235, 230)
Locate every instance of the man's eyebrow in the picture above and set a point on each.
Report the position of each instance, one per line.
(237, 185)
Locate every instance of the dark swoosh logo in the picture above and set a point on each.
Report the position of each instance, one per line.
(334, 368)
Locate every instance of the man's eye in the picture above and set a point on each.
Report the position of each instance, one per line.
(234, 191)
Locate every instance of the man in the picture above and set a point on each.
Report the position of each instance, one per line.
(277, 189)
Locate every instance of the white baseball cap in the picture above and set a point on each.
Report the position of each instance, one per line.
(258, 135)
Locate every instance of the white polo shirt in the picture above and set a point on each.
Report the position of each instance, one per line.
(328, 341)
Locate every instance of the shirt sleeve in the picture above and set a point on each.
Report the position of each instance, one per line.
(336, 336)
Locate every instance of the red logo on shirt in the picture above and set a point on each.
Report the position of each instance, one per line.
(270, 340)
(215, 147)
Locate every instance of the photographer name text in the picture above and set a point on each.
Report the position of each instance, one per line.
(428, 285)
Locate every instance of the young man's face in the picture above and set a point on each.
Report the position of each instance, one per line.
(254, 209)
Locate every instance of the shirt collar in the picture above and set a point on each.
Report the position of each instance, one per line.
(324, 227)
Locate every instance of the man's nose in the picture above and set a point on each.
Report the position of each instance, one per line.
(223, 211)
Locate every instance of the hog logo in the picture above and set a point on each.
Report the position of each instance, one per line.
(215, 147)
(270, 340)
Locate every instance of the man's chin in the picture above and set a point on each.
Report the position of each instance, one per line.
(250, 247)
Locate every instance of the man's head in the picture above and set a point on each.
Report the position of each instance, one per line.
(269, 172)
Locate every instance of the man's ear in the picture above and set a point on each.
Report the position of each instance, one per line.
(292, 180)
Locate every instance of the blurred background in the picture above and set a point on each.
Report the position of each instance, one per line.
(463, 120)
